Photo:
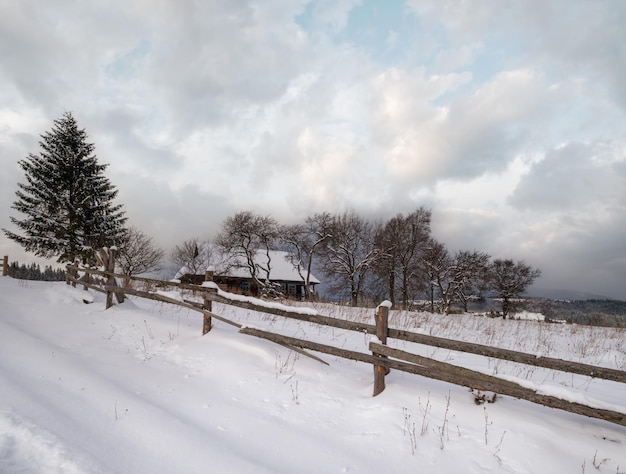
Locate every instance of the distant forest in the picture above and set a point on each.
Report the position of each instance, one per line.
(610, 313)
(34, 272)
(592, 312)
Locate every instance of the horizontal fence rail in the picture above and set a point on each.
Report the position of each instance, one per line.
(512, 356)
(382, 357)
(469, 378)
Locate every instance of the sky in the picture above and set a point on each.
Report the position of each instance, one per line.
(506, 119)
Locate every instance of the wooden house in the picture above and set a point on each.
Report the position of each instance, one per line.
(235, 277)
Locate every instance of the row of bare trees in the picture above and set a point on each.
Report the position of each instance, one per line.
(355, 257)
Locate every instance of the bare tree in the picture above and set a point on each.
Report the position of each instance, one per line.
(303, 243)
(440, 270)
(349, 253)
(455, 278)
(248, 238)
(472, 274)
(193, 256)
(402, 243)
(510, 280)
(138, 253)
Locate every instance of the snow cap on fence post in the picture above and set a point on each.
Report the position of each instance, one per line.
(386, 303)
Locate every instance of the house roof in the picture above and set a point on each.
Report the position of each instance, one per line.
(281, 268)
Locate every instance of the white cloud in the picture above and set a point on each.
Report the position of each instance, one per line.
(575, 178)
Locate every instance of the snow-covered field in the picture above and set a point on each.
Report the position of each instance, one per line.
(137, 389)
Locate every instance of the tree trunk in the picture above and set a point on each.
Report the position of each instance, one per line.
(506, 306)
(432, 297)
(405, 292)
(354, 294)
(307, 281)
(392, 287)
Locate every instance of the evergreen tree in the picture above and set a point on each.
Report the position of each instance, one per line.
(33, 272)
(67, 202)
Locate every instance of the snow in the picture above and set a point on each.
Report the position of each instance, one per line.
(264, 303)
(210, 284)
(528, 316)
(136, 388)
(173, 295)
(385, 304)
(566, 394)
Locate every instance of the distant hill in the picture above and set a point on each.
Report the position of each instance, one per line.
(595, 312)
(560, 305)
(567, 295)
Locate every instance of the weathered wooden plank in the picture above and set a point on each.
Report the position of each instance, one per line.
(158, 283)
(315, 346)
(167, 299)
(513, 356)
(198, 307)
(451, 374)
(461, 346)
(295, 349)
(476, 380)
(75, 280)
(311, 318)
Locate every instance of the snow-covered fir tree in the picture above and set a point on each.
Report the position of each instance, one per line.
(67, 202)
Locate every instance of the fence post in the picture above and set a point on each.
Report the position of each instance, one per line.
(382, 328)
(207, 305)
(108, 262)
(5, 266)
(75, 272)
(70, 272)
(109, 266)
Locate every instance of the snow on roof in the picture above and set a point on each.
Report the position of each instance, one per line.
(181, 272)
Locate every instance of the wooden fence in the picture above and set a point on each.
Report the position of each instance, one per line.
(382, 357)
(5, 265)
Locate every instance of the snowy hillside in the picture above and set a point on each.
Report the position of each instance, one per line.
(137, 389)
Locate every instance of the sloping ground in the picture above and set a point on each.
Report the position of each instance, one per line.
(137, 389)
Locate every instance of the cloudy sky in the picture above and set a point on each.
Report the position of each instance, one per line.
(506, 118)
